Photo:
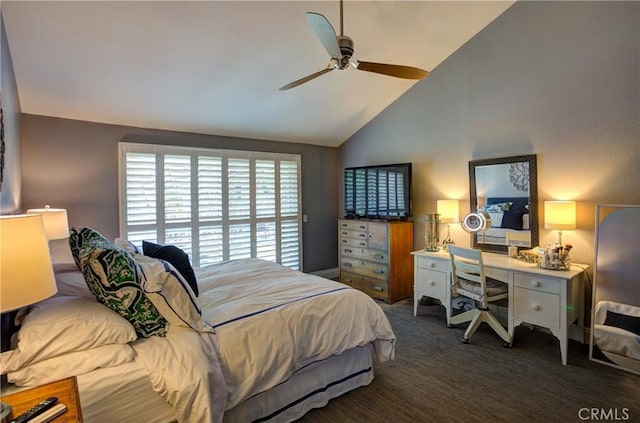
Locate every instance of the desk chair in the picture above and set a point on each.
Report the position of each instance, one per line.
(470, 281)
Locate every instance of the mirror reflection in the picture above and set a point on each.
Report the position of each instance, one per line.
(505, 190)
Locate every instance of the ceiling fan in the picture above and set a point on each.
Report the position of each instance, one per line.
(340, 49)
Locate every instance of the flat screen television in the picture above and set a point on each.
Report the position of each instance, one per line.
(378, 192)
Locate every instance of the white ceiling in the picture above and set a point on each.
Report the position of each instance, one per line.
(215, 67)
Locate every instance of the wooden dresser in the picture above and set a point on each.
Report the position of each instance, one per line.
(375, 257)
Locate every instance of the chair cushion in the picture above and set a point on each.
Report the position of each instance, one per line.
(494, 287)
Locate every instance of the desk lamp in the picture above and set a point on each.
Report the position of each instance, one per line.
(56, 227)
(26, 273)
(560, 215)
(449, 213)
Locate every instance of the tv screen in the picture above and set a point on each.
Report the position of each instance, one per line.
(378, 192)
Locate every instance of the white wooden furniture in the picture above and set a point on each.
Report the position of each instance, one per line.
(374, 257)
(552, 299)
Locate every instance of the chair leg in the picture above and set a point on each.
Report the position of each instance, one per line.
(497, 327)
(471, 329)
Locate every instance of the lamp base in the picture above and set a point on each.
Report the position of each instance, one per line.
(446, 243)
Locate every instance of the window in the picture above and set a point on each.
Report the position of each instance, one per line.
(216, 205)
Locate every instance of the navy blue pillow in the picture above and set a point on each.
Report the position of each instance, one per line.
(174, 255)
(512, 219)
(623, 321)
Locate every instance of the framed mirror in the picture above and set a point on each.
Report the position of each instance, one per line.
(505, 188)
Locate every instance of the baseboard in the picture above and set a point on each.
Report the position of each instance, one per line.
(327, 273)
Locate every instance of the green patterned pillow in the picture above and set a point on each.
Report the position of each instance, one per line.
(79, 237)
(111, 275)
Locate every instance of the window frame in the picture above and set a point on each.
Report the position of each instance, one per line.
(194, 224)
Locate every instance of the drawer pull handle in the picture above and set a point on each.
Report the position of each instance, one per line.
(363, 227)
(432, 264)
(432, 283)
(347, 250)
(379, 271)
(378, 288)
(536, 284)
(364, 244)
(347, 264)
(344, 232)
(344, 225)
(379, 256)
(536, 307)
(344, 241)
(363, 236)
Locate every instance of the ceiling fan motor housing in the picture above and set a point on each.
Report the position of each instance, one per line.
(346, 45)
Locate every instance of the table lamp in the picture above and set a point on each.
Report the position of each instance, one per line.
(560, 215)
(449, 213)
(26, 272)
(56, 226)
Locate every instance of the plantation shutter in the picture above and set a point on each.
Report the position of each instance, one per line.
(214, 204)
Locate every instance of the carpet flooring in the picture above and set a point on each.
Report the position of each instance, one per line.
(436, 378)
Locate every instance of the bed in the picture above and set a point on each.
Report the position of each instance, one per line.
(260, 342)
(509, 221)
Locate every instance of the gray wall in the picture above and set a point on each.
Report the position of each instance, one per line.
(11, 184)
(557, 79)
(74, 165)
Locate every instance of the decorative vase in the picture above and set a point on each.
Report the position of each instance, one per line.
(431, 231)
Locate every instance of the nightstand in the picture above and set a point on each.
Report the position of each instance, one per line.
(66, 390)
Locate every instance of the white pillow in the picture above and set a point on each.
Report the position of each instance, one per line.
(70, 281)
(170, 293)
(61, 325)
(496, 219)
(71, 364)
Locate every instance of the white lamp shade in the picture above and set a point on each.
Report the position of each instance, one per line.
(56, 224)
(26, 273)
(449, 211)
(560, 215)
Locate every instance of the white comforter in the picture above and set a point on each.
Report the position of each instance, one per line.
(270, 321)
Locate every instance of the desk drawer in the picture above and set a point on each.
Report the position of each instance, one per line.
(538, 283)
(351, 233)
(431, 283)
(428, 263)
(536, 307)
(372, 287)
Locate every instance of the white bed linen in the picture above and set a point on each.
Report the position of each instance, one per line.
(272, 321)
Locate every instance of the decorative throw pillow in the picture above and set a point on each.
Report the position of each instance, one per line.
(497, 207)
(110, 273)
(170, 293)
(512, 220)
(60, 325)
(623, 321)
(79, 236)
(128, 246)
(174, 255)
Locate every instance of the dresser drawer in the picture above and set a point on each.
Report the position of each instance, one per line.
(431, 283)
(353, 242)
(536, 307)
(355, 225)
(538, 283)
(352, 233)
(428, 263)
(373, 287)
(365, 268)
(365, 254)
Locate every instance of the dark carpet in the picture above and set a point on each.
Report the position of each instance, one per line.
(437, 378)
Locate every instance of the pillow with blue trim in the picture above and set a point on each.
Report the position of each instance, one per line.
(111, 275)
(170, 293)
(174, 255)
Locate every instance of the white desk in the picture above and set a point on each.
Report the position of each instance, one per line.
(553, 299)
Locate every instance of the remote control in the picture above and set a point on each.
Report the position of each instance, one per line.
(35, 410)
(50, 414)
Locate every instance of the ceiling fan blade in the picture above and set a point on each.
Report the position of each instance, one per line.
(305, 79)
(325, 33)
(399, 71)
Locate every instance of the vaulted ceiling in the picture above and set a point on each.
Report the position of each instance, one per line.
(215, 67)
